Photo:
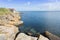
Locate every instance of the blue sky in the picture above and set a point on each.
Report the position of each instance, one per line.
(31, 5)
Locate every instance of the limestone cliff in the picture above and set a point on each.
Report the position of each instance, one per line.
(9, 18)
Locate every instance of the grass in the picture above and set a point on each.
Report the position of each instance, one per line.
(4, 11)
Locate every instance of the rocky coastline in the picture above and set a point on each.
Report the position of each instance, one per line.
(9, 28)
(8, 23)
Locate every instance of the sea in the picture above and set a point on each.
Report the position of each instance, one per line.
(41, 21)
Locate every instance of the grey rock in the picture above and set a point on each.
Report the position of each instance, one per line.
(43, 38)
(23, 36)
(3, 37)
(51, 36)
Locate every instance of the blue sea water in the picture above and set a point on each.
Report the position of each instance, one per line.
(42, 21)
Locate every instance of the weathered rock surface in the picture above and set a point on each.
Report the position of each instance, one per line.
(12, 19)
(3, 37)
(23, 36)
(8, 22)
(9, 31)
(51, 36)
(42, 38)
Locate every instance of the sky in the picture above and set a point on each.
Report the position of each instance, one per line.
(31, 5)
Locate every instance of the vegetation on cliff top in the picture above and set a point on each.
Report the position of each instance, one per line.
(4, 11)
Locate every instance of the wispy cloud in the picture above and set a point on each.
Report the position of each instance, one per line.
(27, 3)
(53, 0)
(50, 6)
(9, 0)
(55, 6)
(33, 6)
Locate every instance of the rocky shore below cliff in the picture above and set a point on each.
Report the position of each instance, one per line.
(9, 19)
(9, 22)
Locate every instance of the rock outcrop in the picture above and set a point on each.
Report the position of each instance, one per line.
(8, 25)
(51, 36)
(43, 38)
(23, 36)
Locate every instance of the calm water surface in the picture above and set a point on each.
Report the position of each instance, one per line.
(42, 21)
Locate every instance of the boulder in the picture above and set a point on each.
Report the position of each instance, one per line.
(23, 36)
(43, 38)
(9, 31)
(51, 36)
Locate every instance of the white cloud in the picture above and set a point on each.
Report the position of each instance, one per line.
(49, 6)
(28, 3)
(28, 6)
(53, 0)
(9, 0)
(41, 7)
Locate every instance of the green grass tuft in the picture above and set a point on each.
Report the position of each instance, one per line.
(4, 11)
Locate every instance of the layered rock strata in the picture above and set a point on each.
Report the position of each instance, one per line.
(8, 22)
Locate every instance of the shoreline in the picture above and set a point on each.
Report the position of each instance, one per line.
(9, 29)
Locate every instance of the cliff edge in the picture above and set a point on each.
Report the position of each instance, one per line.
(9, 19)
